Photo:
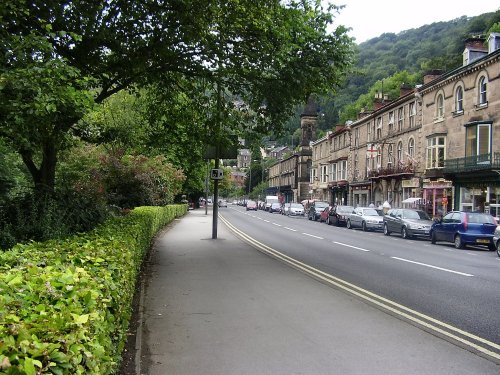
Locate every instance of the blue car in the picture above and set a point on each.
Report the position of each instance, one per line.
(465, 228)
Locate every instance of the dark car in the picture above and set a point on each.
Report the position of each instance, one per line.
(338, 215)
(251, 205)
(315, 209)
(407, 222)
(465, 228)
(275, 207)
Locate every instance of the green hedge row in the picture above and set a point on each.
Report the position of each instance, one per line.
(65, 305)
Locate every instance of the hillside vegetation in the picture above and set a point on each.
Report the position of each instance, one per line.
(435, 46)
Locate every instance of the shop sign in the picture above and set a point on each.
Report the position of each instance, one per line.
(411, 183)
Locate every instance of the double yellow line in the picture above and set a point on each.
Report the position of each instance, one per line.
(479, 345)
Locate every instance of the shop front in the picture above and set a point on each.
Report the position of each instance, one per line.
(339, 192)
(360, 194)
(438, 196)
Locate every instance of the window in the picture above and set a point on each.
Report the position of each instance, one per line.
(459, 100)
(369, 131)
(324, 173)
(379, 157)
(379, 127)
(391, 121)
(400, 118)
(334, 172)
(440, 107)
(356, 137)
(411, 148)
(400, 152)
(390, 156)
(356, 165)
(435, 152)
(482, 91)
(478, 140)
(412, 114)
(342, 170)
(313, 175)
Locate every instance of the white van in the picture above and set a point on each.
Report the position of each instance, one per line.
(270, 199)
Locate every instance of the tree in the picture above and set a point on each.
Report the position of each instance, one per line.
(60, 57)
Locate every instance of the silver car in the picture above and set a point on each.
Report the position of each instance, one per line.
(496, 239)
(293, 209)
(407, 222)
(365, 218)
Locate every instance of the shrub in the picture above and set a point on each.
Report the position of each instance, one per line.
(65, 305)
(32, 217)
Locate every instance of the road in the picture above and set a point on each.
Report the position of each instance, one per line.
(451, 293)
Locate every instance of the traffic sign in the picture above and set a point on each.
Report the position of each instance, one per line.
(217, 174)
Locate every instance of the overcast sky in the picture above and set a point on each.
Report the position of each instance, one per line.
(371, 18)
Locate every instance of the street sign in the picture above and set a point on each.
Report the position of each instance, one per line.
(216, 174)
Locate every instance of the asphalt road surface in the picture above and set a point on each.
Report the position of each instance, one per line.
(459, 288)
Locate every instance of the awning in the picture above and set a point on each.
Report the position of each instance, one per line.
(412, 200)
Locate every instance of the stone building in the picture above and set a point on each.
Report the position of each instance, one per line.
(289, 178)
(338, 184)
(461, 112)
(320, 168)
(436, 147)
(386, 152)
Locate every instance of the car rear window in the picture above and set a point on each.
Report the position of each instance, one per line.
(345, 209)
(480, 218)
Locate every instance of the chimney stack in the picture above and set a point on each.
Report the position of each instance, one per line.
(431, 75)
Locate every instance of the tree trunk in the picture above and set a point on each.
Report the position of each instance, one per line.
(44, 177)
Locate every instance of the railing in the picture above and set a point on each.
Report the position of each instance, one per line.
(472, 163)
(391, 171)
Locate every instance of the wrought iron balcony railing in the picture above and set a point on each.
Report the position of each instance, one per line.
(391, 171)
(472, 163)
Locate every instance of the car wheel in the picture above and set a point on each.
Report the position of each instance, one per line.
(363, 226)
(386, 230)
(309, 217)
(459, 244)
(348, 225)
(404, 233)
(433, 238)
(492, 247)
(336, 223)
(498, 248)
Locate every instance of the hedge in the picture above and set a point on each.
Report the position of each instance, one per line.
(65, 305)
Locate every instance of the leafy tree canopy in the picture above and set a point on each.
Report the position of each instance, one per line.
(61, 57)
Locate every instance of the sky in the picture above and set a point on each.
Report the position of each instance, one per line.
(371, 18)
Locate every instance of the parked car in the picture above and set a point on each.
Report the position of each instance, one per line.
(407, 222)
(323, 216)
(293, 209)
(465, 228)
(365, 218)
(222, 203)
(315, 209)
(251, 205)
(338, 215)
(496, 239)
(275, 207)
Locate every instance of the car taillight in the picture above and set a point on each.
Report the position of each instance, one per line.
(466, 223)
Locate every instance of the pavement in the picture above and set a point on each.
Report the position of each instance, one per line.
(219, 306)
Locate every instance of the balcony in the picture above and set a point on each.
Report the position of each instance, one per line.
(473, 163)
(389, 172)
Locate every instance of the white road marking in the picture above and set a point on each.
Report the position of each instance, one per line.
(267, 221)
(278, 225)
(312, 235)
(293, 230)
(435, 267)
(447, 330)
(353, 247)
(471, 254)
